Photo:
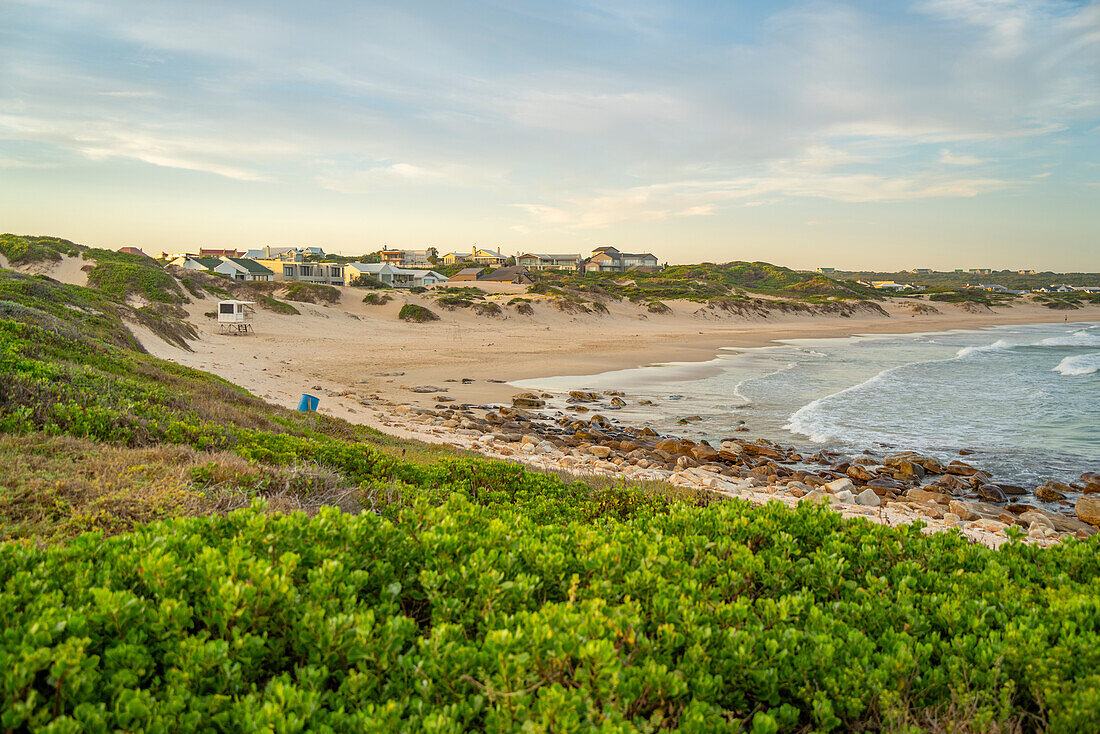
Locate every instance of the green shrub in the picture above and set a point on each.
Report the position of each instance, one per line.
(311, 293)
(24, 250)
(367, 281)
(417, 314)
(377, 299)
(658, 307)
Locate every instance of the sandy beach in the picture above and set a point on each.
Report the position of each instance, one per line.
(358, 356)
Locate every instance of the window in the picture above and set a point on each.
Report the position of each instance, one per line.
(225, 308)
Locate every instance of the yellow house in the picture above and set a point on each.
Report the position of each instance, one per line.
(477, 255)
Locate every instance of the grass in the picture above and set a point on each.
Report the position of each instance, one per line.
(26, 250)
(311, 293)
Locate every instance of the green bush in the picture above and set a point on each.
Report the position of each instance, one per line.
(311, 293)
(417, 314)
(24, 250)
(377, 299)
(367, 281)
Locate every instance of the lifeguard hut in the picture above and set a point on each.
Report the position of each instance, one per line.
(235, 317)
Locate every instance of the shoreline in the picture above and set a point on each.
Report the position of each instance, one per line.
(390, 378)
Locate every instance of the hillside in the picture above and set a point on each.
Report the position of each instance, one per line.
(304, 573)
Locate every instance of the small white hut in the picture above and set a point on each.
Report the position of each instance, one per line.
(235, 317)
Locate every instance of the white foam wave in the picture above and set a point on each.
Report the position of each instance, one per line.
(811, 419)
(1079, 364)
(1082, 338)
(999, 344)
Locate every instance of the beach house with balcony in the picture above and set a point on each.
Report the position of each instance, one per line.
(544, 261)
(392, 276)
(408, 258)
(242, 268)
(611, 260)
(476, 255)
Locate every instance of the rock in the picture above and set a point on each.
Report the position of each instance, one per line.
(839, 485)
(869, 498)
(672, 446)
(619, 402)
(992, 526)
(860, 473)
(1031, 517)
(1012, 489)
(886, 483)
(1090, 481)
(757, 449)
(923, 495)
(427, 388)
(1052, 490)
(528, 400)
(545, 447)
(443, 399)
(962, 509)
(844, 497)
(600, 452)
(961, 469)
(818, 497)
(992, 493)
(1088, 509)
(703, 452)
(588, 397)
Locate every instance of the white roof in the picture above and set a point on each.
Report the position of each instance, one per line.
(244, 303)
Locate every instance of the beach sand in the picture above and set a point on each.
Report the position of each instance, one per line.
(359, 357)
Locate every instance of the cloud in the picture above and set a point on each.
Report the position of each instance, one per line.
(958, 159)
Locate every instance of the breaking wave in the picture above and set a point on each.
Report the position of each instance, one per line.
(1080, 364)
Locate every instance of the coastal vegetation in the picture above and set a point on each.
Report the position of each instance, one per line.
(181, 555)
(416, 313)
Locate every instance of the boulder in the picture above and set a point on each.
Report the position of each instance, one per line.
(960, 469)
(757, 449)
(860, 473)
(618, 402)
(672, 446)
(839, 485)
(962, 509)
(1052, 491)
(528, 400)
(869, 498)
(992, 493)
(1038, 518)
(703, 452)
(587, 397)
(905, 465)
(923, 495)
(1088, 509)
(844, 497)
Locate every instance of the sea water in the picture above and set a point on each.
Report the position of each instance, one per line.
(1024, 399)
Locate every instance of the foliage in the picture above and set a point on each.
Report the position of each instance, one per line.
(700, 283)
(1011, 279)
(377, 299)
(121, 275)
(418, 314)
(25, 250)
(311, 293)
(367, 281)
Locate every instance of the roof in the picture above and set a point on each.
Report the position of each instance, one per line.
(546, 256)
(251, 265)
(509, 274)
(230, 300)
(468, 271)
(207, 262)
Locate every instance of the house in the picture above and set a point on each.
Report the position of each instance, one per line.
(287, 254)
(980, 271)
(131, 251)
(390, 275)
(408, 258)
(921, 271)
(1025, 272)
(889, 285)
(997, 288)
(477, 255)
(610, 260)
(513, 274)
(242, 268)
(826, 271)
(212, 252)
(190, 262)
(542, 261)
(466, 274)
(303, 272)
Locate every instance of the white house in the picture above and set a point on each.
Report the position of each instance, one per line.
(391, 275)
(190, 262)
(241, 268)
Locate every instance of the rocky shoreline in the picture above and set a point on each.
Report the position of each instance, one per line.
(893, 489)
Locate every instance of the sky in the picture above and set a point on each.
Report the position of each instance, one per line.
(884, 135)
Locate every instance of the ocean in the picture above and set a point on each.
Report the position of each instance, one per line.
(1024, 399)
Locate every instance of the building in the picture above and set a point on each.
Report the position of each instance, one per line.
(826, 271)
(214, 252)
(190, 262)
(392, 276)
(921, 271)
(242, 268)
(131, 251)
(980, 271)
(477, 255)
(890, 285)
(408, 258)
(542, 261)
(287, 254)
(303, 272)
(512, 274)
(1025, 272)
(465, 275)
(609, 259)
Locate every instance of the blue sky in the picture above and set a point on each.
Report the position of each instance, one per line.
(937, 133)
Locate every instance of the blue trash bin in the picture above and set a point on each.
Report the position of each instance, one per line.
(308, 403)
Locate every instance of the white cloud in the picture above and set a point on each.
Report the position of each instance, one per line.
(958, 159)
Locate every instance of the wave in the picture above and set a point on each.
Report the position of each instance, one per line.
(808, 419)
(1080, 364)
(999, 344)
(1082, 338)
